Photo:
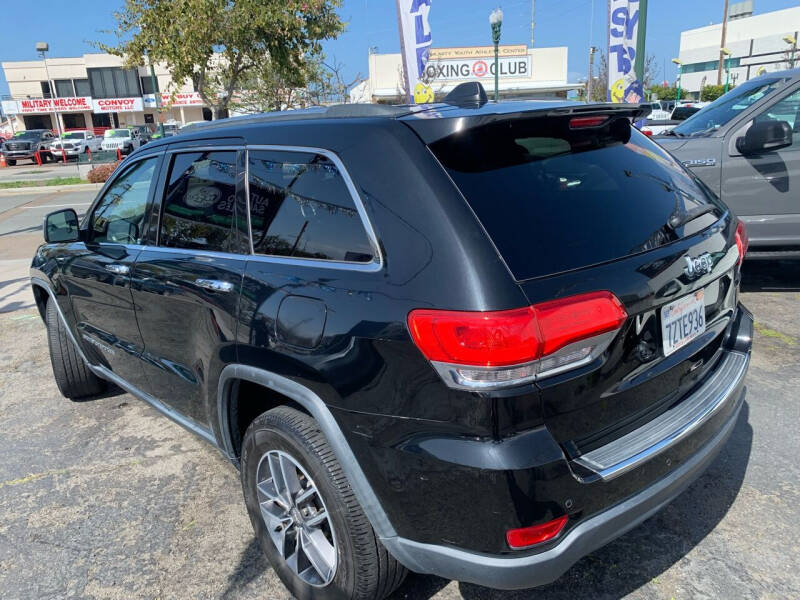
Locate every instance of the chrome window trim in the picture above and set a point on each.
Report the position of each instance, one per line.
(376, 264)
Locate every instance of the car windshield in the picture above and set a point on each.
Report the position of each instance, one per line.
(28, 135)
(713, 116)
(117, 133)
(73, 135)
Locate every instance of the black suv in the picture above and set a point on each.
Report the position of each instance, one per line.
(471, 339)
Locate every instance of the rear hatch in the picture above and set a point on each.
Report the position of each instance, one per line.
(579, 202)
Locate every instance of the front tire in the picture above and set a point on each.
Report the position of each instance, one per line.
(11, 162)
(312, 529)
(72, 374)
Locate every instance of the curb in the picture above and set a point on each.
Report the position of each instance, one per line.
(77, 187)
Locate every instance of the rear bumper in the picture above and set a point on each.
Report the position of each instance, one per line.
(514, 571)
(505, 572)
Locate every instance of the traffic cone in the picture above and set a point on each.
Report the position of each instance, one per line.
(3, 161)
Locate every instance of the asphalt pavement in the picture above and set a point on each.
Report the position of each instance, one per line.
(108, 499)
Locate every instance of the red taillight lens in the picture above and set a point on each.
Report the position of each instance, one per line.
(487, 339)
(530, 536)
(647, 132)
(742, 241)
(503, 346)
(583, 122)
(569, 320)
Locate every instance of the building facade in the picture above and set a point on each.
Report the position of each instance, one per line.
(756, 43)
(524, 73)
(93, 91)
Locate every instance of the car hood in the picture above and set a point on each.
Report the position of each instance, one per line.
(670, 142)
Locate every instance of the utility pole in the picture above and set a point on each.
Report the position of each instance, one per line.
(641, 36)
(592, 50)
(722, 43)
(533, 19)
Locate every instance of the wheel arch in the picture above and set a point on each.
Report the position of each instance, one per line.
(309, 402)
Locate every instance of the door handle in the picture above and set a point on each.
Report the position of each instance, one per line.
(118, 269)
(214, 285)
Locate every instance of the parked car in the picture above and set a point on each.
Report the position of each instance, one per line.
(75, 143)
(25, 144)
(745, 146)
(416, 362)
(145, 135)
(125, 140)
(169, 130)
(656, 124)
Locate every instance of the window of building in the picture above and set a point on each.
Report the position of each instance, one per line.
(64, 88)
(199, 203)
(45, 89)
(147, 84)
(300, 206)
(113, 82)
(82, 87)
(709, 65)
(119, 217)
(74, 121)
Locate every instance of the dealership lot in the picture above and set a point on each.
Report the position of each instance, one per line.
(108, 499)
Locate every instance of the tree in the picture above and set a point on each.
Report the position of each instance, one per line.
(600, 83)
(709, 93)
(219, 44)
(663, 93)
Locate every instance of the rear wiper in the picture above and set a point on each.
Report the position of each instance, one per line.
(678, 219)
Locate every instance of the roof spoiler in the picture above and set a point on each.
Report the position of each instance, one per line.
(632, 111)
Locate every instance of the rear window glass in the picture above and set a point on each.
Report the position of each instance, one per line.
(554, 199)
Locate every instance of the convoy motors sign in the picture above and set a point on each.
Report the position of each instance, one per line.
(104, 105)
(448, 70)
(48, 105)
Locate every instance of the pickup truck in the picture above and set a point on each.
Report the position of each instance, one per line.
(745, 146)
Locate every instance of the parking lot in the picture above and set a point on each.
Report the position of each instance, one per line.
(106, 498)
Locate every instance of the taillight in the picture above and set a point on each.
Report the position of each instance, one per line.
(530, 536)
(490, 350)
(742, 241)
(647, 132)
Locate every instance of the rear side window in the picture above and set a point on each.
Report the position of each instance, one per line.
(199, 202)
(554, 199)
(300, 206)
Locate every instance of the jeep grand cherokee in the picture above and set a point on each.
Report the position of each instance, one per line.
(470, 339)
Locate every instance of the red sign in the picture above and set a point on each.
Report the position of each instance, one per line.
(479, 68)
(117, 105)
(47, 105)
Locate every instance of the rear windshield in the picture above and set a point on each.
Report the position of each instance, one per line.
(554, 199)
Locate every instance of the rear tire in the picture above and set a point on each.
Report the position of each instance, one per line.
(357, 564)
(72, 374)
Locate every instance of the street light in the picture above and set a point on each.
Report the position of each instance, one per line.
(727, 53)
(793, 43)
(42, 48)
(679, 63)
(496, 21)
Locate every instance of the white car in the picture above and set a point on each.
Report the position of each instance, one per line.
(124, 140)
(73, 143)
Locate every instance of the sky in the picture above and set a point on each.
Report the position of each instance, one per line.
(71, 27)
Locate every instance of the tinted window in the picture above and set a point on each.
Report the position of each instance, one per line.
(64, 88)
(787, 110)
(300, 206)
(554, 199)
(199, 202)
(119, 217)
(82, 87)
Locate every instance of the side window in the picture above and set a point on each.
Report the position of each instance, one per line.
(300, 206)
(787, 110)
(120, 216)
(199, 202)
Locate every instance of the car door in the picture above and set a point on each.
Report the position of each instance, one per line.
(98, 276)
(764, 188)
(186, 284)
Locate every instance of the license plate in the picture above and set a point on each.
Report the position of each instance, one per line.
(682, 321)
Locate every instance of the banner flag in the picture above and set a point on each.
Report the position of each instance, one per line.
(623, 26)
(415, 40)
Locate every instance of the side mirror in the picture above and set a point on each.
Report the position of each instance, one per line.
(61, 226)
(765, 136)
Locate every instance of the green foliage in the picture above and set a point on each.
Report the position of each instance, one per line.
(709, 93)
(218, 44)
(662, 93)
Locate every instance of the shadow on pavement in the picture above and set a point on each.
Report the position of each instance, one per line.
(640, 555)
(771, 276)
(251, 565)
